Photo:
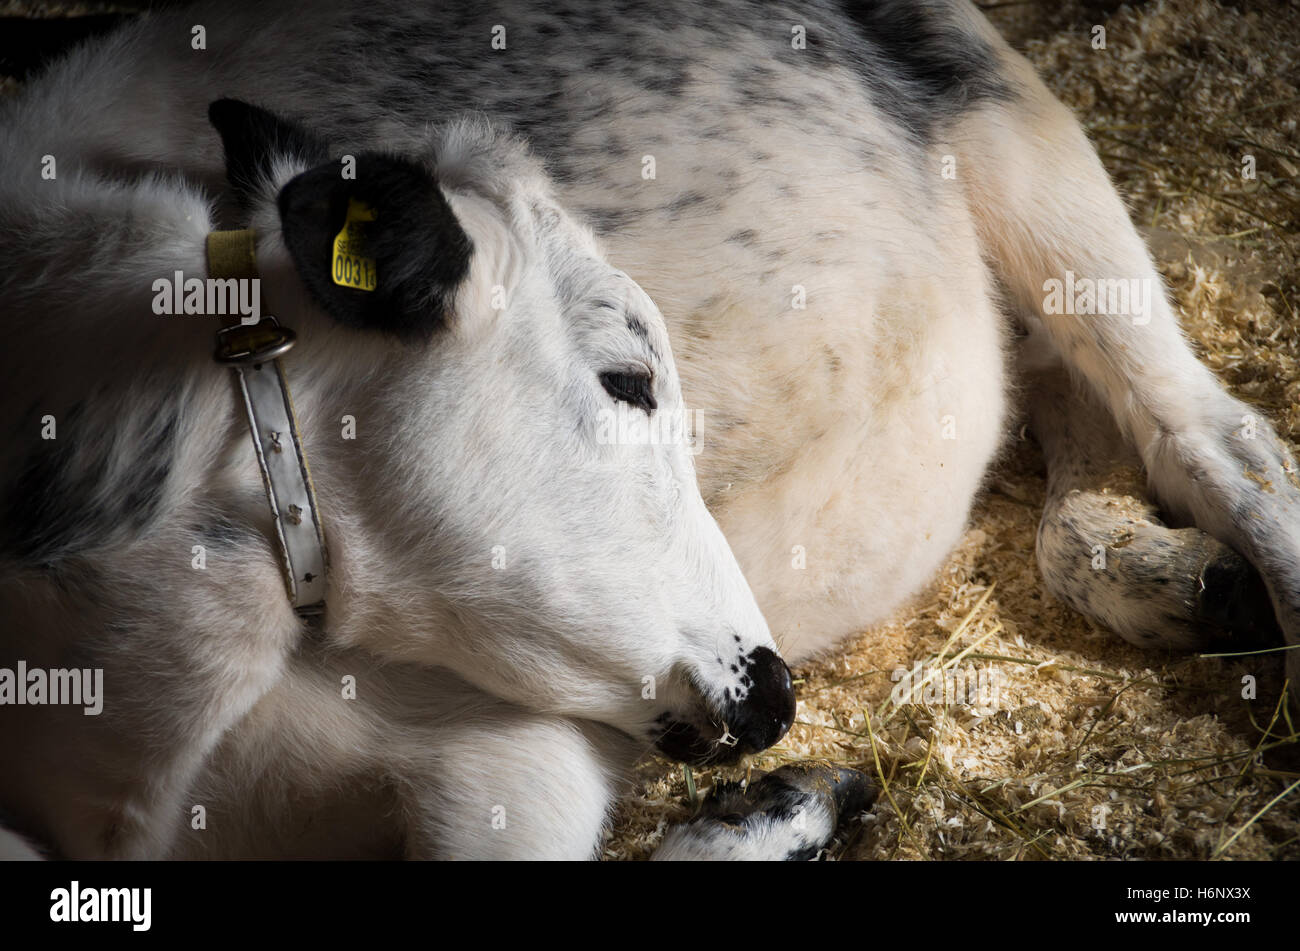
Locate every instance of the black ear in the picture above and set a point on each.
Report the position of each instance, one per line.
(420, 253)
(253, 139)
(419, 250)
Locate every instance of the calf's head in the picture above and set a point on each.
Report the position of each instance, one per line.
(523, 507)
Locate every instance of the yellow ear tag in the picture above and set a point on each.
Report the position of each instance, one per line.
(351, 267)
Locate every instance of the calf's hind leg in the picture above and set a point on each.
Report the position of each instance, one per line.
(1104, 550)
(1048, 219)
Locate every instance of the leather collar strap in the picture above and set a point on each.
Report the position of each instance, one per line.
(253, 352)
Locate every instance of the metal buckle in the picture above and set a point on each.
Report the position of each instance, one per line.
(249, 345)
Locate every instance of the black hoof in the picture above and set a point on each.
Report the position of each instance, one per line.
(1234, 603)
(780, 794)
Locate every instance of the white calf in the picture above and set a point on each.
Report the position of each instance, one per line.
(821, 198)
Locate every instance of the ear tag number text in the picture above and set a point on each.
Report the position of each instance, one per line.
(351, 267)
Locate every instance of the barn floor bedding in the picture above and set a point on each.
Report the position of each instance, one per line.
(1093, 749)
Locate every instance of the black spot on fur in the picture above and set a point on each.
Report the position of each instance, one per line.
(607, 220)
(638, 327)
(682, 202)
(144, 495)
(921, 67)
(221, 532)
(668, 78)
(45, 519)
(62, 503)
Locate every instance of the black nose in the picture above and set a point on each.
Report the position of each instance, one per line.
(766, 712)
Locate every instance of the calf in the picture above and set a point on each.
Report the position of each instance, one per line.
(854, 219)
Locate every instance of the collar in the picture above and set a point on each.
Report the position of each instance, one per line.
(253, 352)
